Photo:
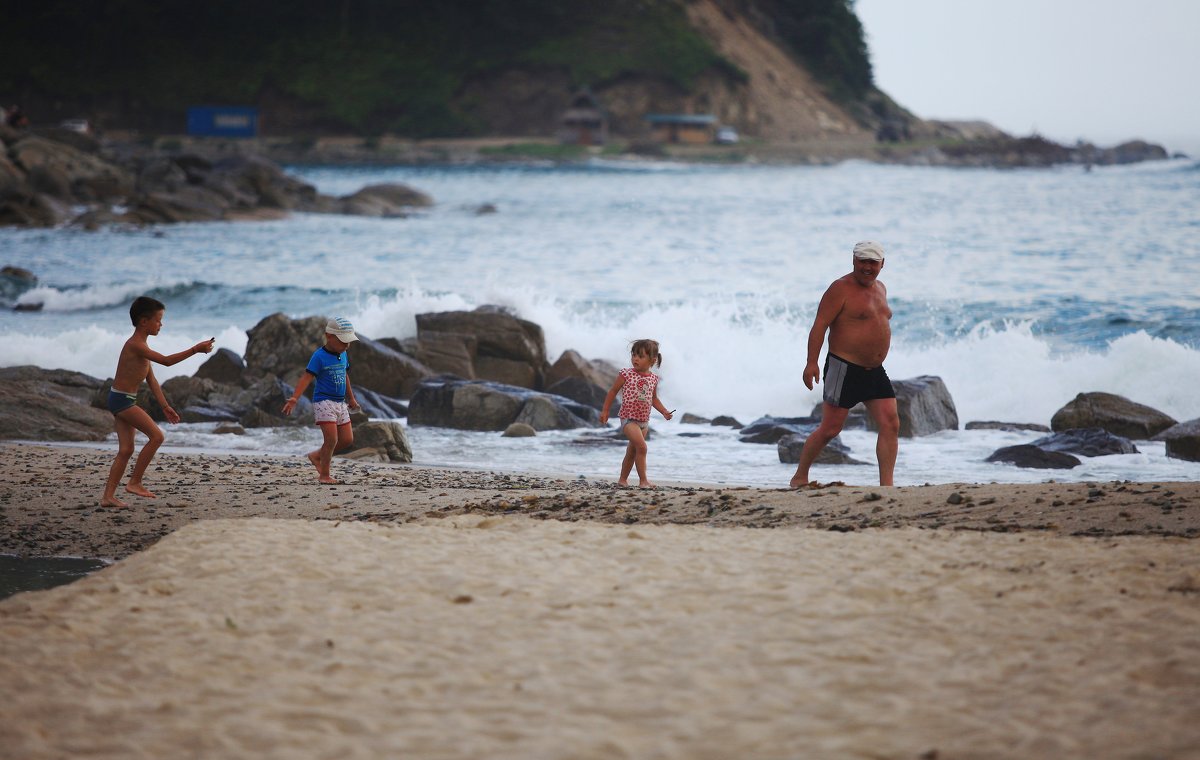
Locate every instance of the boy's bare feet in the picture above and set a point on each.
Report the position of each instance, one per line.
(315, 458)
(797, 483)
(137, 489)
(113, 502)
(624, 483)
(329, 481)
(646, 484)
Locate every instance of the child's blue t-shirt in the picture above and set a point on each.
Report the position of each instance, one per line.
(329, 369)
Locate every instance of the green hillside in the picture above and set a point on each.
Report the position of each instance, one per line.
(378, 66)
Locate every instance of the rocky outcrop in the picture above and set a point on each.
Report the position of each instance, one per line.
(1183, 440)
(492, 344)
(1116, 414)
(1030, 456)
(224, 366)
(44, 176)
(50, 405)
(281, 346)
(480, 405)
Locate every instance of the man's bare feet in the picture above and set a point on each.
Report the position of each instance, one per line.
(113, 502)
(329, 481)
(137, 489)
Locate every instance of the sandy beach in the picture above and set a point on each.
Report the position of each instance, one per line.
(423, 612)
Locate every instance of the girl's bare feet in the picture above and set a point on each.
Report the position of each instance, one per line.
(137, 489)
(113, 502)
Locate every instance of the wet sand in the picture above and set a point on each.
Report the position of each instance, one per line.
(418, 612)
(49, 497)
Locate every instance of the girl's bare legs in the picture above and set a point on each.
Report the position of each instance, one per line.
(335, 438)
(635, 456)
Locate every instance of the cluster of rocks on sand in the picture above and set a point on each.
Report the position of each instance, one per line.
(47, 176)
(487, 370)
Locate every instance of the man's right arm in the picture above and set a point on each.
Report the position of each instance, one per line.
(827, 311)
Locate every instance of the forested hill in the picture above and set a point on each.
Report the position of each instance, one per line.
(442, 68)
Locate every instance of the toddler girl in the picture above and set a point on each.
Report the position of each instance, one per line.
(639, 392)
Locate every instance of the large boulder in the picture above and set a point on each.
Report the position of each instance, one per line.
(1086, 442)
(1116, 414)
(572, 364)
(262, 180)
(380, 406)
(387, 439)
(50, 405)
(578, 389)
(481, 405)
(224, 366)
(835, 452)
(281, 346)
(447, 353)
(375, 366)
(1183, 440)
(1030, 456)
(924, 405)
(507, 349)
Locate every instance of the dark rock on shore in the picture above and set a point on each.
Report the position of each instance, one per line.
(772, 429)
(1086, 442)
(1030, 456)
(491, 345)
(50, 405)
(482, 405)
(835, 452)
(1116, 414)
(1183, 440)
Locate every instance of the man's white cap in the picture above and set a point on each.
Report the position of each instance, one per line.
(341, 327)
(868, 249)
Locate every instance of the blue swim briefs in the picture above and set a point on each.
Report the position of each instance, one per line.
(119, 401)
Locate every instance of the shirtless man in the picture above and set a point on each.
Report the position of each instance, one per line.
(855, 312)
(133, 367)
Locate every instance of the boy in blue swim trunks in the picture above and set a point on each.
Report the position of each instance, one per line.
(330, 368)
(133, 366)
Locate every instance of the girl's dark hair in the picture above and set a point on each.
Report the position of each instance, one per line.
(647, 347)
(144, 306)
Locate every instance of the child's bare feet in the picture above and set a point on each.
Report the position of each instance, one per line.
(329, 481)
(624, 483)
(798, 483)
(137, 489)
(112, 502)
(646, 484)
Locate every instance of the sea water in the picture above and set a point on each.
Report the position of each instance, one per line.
(1019, 288)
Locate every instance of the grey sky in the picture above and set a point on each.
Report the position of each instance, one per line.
(1101, 70)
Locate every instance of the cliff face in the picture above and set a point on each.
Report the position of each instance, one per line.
(452, 68)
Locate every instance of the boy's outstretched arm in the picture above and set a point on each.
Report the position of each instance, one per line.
(143, 350)
(612, 395)
(301, 384)
(168, 411)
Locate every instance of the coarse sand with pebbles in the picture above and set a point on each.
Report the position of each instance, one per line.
(476, 636)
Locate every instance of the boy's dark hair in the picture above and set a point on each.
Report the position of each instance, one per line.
(144, 306)
(647, 347)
